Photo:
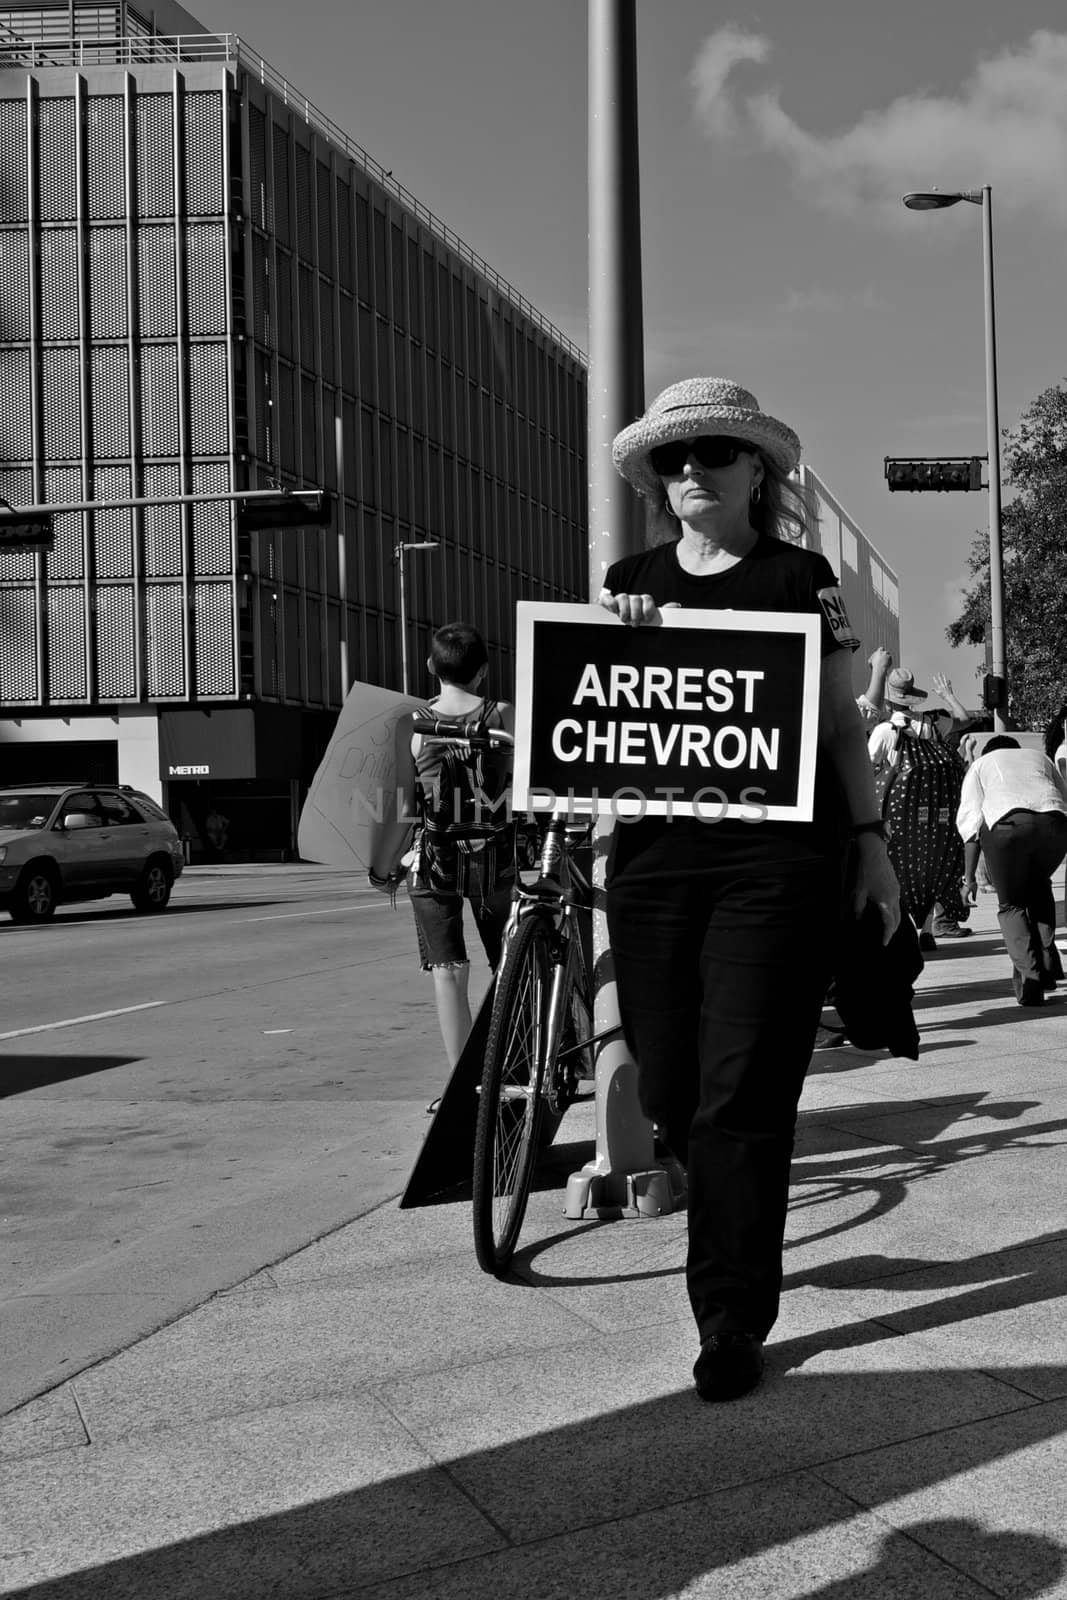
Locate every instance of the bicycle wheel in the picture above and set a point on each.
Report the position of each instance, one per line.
(510, 1103)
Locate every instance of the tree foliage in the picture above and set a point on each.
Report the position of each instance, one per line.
(1034, 541)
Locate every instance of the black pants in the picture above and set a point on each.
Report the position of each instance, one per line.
(1022, 851)
(721, 976)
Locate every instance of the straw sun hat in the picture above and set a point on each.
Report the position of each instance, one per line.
(694, 406)
(901, 685)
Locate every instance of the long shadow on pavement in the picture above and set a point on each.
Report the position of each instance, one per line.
(647, 1499)
(20, 1074)
(877, 1179)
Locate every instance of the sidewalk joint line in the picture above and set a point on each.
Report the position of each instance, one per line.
(81, 1414)
(444, 1468)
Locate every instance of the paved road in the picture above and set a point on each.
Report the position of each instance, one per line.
(189, 1097)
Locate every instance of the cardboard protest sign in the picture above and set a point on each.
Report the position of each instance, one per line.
(713, 714)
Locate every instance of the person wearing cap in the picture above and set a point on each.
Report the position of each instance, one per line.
(723, 934)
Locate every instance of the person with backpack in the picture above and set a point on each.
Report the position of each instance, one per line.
(462, 852)
(918, 778)
(902, 699)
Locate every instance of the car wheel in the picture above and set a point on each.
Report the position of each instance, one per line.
(152, 889)
(35, 896)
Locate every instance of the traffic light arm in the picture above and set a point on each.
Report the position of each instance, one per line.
(316, 505)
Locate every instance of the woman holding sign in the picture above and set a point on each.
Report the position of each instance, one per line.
(723, 933)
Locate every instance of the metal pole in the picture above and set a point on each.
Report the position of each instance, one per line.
(403, 624)
(623, 1175)
(996, 560)
(342, 553)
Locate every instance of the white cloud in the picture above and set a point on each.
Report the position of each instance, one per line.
(719, 54)
(1006, 126)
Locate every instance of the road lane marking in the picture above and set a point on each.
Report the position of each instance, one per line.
(287, 916)
(72, 1022)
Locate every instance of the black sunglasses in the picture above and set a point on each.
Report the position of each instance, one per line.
(707, 449)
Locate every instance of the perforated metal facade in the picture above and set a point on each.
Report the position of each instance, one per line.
(202, 288)
(115, 356)
(461, 419)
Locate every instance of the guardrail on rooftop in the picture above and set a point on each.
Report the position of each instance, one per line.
(229, 48)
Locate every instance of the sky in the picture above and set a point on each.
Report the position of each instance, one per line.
(776, 141)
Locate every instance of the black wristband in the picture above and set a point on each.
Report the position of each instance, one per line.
(876, 825)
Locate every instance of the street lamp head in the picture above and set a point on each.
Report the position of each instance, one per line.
(417, 544)
(930, 200)
(934, 200)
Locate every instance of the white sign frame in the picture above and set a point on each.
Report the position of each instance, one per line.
(627, 804)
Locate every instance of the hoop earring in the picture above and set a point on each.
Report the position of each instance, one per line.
(668, 510)
(755, 494)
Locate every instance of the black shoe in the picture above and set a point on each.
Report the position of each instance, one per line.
(927, 942)
(728, 1366)
(1031, 993)
(1048, 981)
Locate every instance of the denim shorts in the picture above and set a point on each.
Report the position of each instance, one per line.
(439, 925)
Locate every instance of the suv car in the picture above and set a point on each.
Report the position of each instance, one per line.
(82, 841)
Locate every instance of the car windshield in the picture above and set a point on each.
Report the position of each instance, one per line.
(21, 809)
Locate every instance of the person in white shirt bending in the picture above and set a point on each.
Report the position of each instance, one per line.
(1013, 807)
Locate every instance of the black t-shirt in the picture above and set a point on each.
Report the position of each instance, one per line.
(774, 576)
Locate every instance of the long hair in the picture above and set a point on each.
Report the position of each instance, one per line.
(786, 509)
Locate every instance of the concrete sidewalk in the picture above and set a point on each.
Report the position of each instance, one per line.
(374, 1416)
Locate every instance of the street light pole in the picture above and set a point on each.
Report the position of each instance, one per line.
(934, 200)
(996, 554)
(419, 544)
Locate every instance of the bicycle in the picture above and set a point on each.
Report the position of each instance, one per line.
(540, 1039)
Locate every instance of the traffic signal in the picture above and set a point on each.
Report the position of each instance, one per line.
(21, 530)
(927, 472)
(289, 508)
(993, 692)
